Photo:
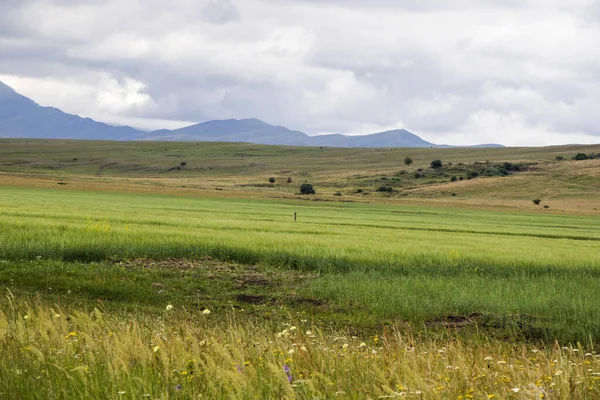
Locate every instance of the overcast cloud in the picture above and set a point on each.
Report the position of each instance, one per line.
(523, 72)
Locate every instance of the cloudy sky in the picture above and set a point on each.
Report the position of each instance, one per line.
(517, 72)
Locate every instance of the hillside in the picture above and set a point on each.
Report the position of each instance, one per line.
(243, 170)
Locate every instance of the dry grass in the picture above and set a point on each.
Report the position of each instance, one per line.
(74, 354)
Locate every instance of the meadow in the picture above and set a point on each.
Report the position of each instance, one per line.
(132, 284)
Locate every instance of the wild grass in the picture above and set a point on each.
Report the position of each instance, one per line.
(390, 263)
(56, 353)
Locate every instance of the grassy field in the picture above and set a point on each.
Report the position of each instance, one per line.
(243, 170)
(129, 283)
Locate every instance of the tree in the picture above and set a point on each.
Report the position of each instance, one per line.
(437, 164)
(271, 180)
(307, 188)
(408, 161)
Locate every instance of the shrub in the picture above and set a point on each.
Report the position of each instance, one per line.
(271, 180)
(580, 156)
(453, 179)
(546, 206)
(359, 191)
(337, 194)
(289, 180)
(183, 163)
(408, 161)
(461, 178)
(537, 201)
(437, 164)
(472, 174)
(385, 189)
(559, 158)
(307, 188)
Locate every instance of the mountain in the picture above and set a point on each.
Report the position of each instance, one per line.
(235, 130)
(393, 138)
(21, 117)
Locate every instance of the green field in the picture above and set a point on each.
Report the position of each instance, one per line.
(125, 284)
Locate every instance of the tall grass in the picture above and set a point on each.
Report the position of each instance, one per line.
(53, 353)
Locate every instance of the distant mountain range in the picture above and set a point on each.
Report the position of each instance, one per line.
(21, 117)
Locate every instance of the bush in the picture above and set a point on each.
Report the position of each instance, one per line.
(453, 179)
(537, 201)
(307, 188)
(472, 174)
(437, 164)
(385, 189)
(359, 191)
(183, 163)
(580, 156)
(408, 161)
(289, 180)
(337, 194)
(559, 158)
(461, 178)
(546, 206)
(271, 180)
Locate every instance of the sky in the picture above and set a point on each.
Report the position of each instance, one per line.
(516, 72)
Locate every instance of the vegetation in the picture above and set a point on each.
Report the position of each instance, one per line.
(408, 161)
(307, 188)
(271, 180)
(437, 164)
(537, 201)
(122, 282)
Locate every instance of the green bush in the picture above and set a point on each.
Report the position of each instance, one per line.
(307, 188)
(453, 179)
(385, 189)
(537, 201)
(437, 164)
(271, 180)
(580, 156)
(472, 174)
(408, 161)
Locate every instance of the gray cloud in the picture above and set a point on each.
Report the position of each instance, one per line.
(466, 71)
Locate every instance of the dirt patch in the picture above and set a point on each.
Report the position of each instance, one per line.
(253, 299)
(456, 321)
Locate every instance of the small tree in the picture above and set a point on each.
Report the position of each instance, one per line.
(408, 161)
(271, 180)
(307, 188)
(437, 164)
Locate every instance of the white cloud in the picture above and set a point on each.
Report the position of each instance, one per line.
(527, 69)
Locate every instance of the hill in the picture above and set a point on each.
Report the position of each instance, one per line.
(340, 174)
